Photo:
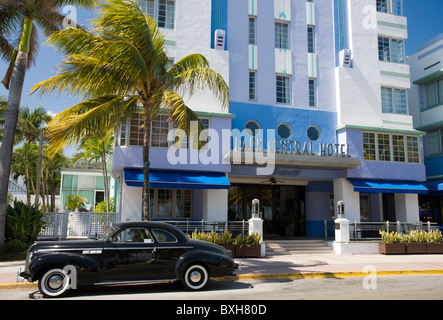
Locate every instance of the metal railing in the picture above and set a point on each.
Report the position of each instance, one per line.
(369, 231)
(90, 225)
(76, 225)
(189, 226)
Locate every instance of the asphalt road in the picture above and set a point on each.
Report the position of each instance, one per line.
(415, 287)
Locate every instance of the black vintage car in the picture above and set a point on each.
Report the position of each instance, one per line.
(129, 252)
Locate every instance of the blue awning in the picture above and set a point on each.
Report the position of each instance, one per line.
(177, 179)
(434, 185)
(383, 186)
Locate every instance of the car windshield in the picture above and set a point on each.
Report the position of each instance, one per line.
(108, 234)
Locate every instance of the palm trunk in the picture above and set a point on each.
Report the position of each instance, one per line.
(28, 187)
(14, 99)
(105, 176)
(39, 165)
(146, 145)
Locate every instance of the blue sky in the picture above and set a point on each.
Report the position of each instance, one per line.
(424, 23)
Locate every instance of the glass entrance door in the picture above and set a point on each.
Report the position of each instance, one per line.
(282, 207)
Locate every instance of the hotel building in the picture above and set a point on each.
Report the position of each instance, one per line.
(318, 113)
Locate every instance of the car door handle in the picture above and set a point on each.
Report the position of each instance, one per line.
(154, 253)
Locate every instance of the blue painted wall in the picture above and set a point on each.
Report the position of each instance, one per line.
(299, 119)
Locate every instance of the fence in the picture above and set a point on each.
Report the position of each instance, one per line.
(368, 231)
(189, 226)
(76, 225)
(90, 225)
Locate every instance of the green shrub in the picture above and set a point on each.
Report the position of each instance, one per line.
(414, 236)
(74, 202)
(247, 240)
(23, 222)
(101, 206)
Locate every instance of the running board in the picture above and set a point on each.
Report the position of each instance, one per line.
(105, 283)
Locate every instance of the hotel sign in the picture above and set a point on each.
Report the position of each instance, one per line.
(291, 147)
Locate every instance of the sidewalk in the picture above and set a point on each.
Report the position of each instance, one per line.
(298, 266)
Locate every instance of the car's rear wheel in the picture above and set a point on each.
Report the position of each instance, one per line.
(196, 277)
(55, 282)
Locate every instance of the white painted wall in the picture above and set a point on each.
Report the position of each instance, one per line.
(192, 34)
(359, 88)
(344, 190)
(215, 204)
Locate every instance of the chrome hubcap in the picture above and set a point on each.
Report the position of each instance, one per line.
(195, 276)
(55, 282)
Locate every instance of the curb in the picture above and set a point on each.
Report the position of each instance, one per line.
(316, 275)
(279, 276)
(18, 285)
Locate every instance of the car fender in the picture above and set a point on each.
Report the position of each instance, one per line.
(208, 259)
(84, 264)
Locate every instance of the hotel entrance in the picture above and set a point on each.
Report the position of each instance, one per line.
(282, 208)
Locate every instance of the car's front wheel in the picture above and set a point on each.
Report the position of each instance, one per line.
(55, 282)
(196, 277)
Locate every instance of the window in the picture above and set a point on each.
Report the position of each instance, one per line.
(435, 142)
(369, 150)
(312, 96)
(382, 6)
(252, 30)
(398, 143)
(123, 134)
(313, 133)
(169, 63)
(311, 40)
(412, 149)
(384, 148)
(166, 13)
(163, 11)
(391, 50)
(434, 93)
(283, 89)
(284, 130)
(251, 126)
(391, 147)
(133, 235)
(163, 236)
(365, 207)
(281, 35)
(390, 6)
(171, 203)
(136, 130)
(394, 100)
(159, 131)
(186, 140)
(252, 85)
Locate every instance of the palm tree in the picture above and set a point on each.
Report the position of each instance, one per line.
(25, 164)
(22, 15)
(118, 67)
(97, 150)
(30, 123)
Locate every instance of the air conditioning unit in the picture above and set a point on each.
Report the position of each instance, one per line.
(345, 58)
(219, 39)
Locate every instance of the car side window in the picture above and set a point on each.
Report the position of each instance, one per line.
(163, 235)
(140, 235)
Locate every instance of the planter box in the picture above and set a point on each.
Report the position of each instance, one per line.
(232, 248)
(392, 248)
(247, 252)
(434, 248)
(416, 248)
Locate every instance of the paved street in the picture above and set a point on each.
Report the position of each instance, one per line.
(412, 287)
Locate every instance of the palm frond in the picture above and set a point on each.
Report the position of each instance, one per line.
(181, 116)
(84, 119)
(191, 80)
